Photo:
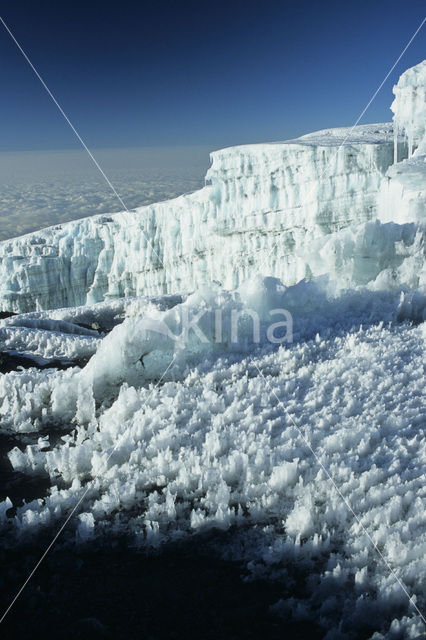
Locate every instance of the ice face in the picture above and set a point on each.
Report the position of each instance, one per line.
(264, 206)
(402, 198)
(409, 106)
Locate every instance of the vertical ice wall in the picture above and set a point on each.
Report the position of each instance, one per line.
(402, 197)
(409, 107)
(264, 207)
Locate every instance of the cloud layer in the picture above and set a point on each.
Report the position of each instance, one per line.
(44, 188)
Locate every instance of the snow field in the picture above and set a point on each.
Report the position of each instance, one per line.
(216, 449)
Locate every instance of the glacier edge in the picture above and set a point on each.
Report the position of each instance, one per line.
(264, 204)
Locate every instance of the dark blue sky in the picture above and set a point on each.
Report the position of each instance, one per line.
(176, 72)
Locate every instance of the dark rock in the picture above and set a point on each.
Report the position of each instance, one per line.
(12, 361)
(185, 592)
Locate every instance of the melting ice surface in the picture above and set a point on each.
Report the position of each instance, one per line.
(168, 437)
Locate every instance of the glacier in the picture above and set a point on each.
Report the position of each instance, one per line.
(162, 439)
(264, 205)
(402, 198)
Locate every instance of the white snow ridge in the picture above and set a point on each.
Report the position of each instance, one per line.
(313, 450)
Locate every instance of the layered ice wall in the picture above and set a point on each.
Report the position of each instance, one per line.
(409, 106)
(263, 207)
(266, 208)
(403, 196)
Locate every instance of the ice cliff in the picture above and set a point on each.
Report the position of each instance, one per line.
(269, 208)
(403, 196)
(409, 106)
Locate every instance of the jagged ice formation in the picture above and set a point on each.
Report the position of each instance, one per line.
(223, 440)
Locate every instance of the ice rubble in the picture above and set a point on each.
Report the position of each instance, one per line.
(219, 443)
(213, 447)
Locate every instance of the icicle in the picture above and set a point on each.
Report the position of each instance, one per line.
(410, 139)
(395, 143)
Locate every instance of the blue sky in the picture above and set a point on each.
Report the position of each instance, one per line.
(198, 73)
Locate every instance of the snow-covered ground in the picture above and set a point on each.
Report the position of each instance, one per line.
(314, 448)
